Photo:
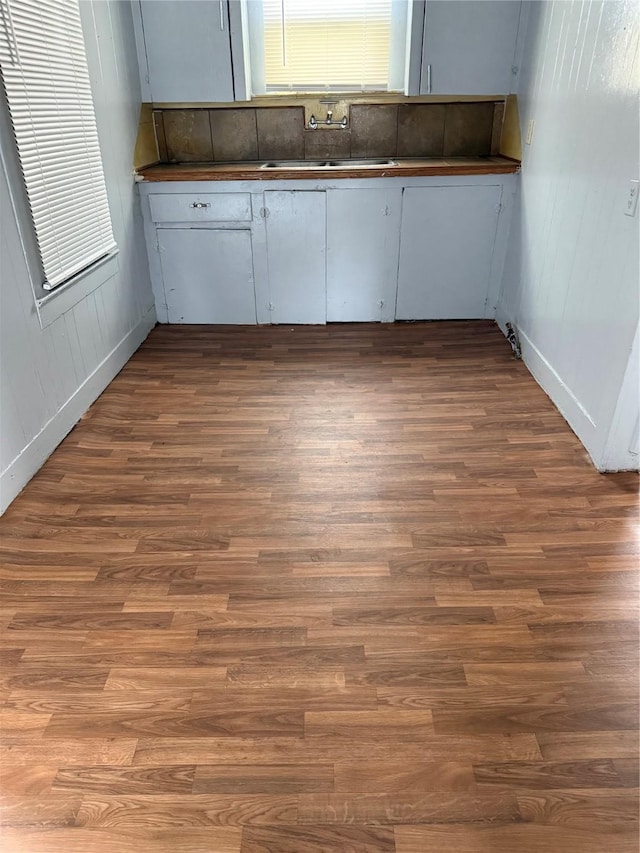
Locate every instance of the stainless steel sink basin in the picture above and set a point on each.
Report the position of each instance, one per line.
(329, 164)
(295, 164)
(361, 164)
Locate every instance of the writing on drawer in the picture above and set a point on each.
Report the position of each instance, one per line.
(204, 207)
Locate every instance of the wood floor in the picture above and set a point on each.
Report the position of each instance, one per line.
(353, 589)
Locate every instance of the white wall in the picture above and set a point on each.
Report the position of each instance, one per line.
(571, 276)
(50, 376)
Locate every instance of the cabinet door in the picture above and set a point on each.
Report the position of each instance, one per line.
(296, 256)
(207, 275)
(363, 234)
(469, 47)
(446, 249)
(188, 49)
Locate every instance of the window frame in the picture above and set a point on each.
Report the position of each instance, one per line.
(49, 304)
(415, 23)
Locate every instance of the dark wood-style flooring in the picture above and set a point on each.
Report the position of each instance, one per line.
(352, 589)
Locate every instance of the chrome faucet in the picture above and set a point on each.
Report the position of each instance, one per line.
(329, 122)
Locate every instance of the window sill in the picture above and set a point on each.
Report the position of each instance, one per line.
(63, 298)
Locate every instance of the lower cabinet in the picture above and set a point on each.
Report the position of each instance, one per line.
(446, 250)
(362, 253)
(354, 254)
(207, 275)
(296, 255)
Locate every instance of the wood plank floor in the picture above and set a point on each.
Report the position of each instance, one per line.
(305, 590)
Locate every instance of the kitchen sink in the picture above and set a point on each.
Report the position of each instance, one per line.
(295, 164)
(329, 164)
(361, 164)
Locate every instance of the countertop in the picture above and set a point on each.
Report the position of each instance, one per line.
(405, 168)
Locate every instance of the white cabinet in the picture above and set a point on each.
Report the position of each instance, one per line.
(334, 251)
(296, 255)
(184, 50)
(469, 47)
(446, 250)
(207, 275)
(193, 51)
(363, 235)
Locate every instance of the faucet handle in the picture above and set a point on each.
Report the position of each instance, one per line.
(313, 123)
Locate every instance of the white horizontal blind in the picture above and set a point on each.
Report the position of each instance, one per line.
(339, 45)
(44, 69)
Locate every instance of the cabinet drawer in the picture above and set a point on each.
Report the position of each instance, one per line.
(204, 207)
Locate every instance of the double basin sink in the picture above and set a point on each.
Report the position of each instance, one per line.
(329, 164)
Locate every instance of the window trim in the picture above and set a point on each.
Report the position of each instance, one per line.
(408, 67)
(48, 304)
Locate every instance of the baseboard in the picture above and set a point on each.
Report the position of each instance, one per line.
(561, 395)
(622, 450)
(16, 476)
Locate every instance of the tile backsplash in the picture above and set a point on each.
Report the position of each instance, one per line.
(374, 130)
(280, 132)
(235, 134)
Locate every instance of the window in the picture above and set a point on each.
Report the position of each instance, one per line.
(46, 80)
(327, 45)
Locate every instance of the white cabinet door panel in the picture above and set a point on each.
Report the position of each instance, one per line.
(446, 249)
(469, 47)
(188, 50)
(207, 275)
(363, 232)
(296, 255)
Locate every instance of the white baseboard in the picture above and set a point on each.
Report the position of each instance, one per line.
(15, 477)
(622, 450)
(561, 395)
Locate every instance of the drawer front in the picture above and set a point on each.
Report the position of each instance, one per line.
(205, 207)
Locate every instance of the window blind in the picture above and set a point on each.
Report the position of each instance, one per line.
(326, 45)
(45, 75)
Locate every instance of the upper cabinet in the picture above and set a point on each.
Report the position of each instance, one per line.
(469, 47)
(198, 51)
(186, 50)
